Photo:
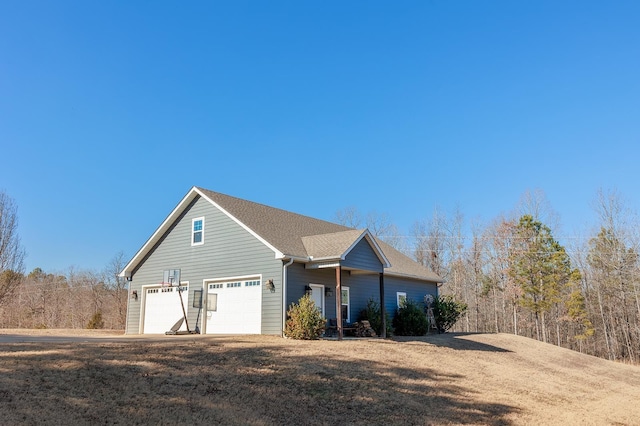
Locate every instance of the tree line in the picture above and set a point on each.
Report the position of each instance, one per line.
(516, 277)
(39, 299)
(511, 272)
(73, 299)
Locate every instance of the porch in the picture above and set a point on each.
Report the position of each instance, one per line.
(339, 293)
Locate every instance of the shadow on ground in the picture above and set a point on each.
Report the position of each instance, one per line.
(455, 341)
(197, 381)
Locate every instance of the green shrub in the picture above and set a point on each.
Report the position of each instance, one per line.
(304, 320)
(447, 311)
(410, 320)
(371, 313)
(96, 321)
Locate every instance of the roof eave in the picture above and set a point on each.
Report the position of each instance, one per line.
(157, 235)
(166, 224)
(295, 258)
(379, 252)
(324, 259)
(278, 254)
(416, 277)
(376, 248)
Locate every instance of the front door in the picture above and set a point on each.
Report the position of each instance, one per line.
(317, 295)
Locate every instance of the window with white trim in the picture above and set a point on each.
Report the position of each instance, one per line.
(401, 298)
(346, 310)
(253, 283)
(197, 231)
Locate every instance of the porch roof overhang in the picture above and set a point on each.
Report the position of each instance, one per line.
(322, 264)
(331, 250)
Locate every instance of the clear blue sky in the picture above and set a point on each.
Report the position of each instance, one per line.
(111, 111)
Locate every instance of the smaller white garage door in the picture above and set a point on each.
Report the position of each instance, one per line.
(234, 307)
(162, 309)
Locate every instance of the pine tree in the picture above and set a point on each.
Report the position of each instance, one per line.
(542, 270)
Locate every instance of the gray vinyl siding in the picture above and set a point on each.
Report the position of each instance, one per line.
(228, 251)
(415, 289)
(298, 277)
(361, 287)
(363, 257)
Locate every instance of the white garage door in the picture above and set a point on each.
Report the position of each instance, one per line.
(234, 307)
(162, 309)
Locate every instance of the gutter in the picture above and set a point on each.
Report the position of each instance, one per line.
(126, 318)
(284, 293)
(326, 258)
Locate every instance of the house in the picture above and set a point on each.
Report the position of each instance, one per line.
(232, 266)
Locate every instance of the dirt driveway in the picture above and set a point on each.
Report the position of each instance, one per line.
(75, 336)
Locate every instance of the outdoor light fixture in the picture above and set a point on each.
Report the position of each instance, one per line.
(328, 291)
(308, 290)
(269, 285)
(134, 294)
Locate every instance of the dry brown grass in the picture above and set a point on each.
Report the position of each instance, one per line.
(448, 379)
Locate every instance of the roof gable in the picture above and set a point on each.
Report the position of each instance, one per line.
(337, 245)
(289, 235)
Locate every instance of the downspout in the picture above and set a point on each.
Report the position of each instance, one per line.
(129, 290)
(284, 294)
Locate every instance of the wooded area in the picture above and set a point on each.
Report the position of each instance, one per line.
(516, 277)
(74, 299)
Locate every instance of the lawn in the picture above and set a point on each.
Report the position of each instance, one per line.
(56, 378)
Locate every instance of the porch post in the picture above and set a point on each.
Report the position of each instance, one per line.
(383, 332)
(339, 301)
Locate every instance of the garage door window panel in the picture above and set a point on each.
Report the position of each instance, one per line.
(163, 308)
(238, 307)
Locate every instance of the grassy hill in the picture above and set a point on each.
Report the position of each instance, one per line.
(496, 379)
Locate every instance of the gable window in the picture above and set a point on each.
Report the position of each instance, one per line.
(346, 311)
(197, 231)
(401, 297)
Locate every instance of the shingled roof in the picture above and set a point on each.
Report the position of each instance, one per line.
(337, 244)
(296, 235)
(290, 235)
(282, 229)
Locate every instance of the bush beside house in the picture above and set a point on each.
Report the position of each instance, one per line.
(410, 319)
(447, 311)
(372, 313)
(304, 320)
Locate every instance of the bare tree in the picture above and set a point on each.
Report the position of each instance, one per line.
(349, 216)
(379, 224)
(535, 203)
(117, 286)
(476, 262)
(614, 278)
(430, 236)
(11, 251)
